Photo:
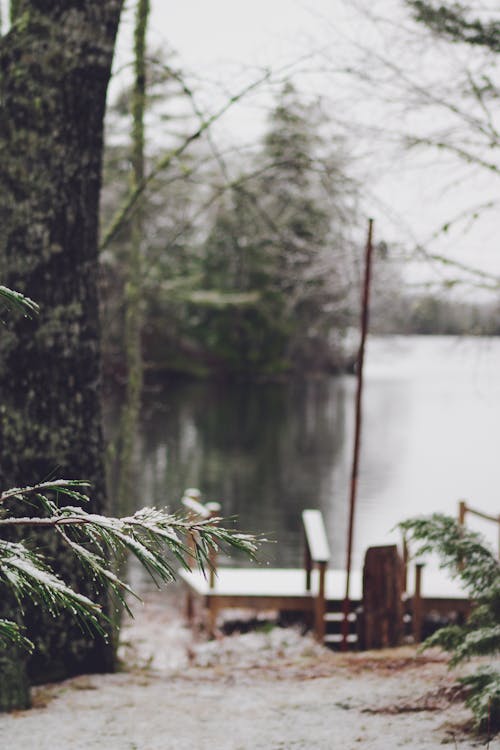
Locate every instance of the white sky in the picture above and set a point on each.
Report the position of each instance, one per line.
(226, 43)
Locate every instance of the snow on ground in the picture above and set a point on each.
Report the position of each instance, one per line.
(262, 690)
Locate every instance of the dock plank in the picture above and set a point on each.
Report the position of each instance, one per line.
(290, 582)
(284, 590)
(276, 582)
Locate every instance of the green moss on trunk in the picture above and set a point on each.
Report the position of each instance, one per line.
(54, 71)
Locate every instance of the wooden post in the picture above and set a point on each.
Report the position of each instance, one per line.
(214, 510)
(320, 608)
(192, 502)
(210, 615)
(357, 430)
(405, 564)
(462, 509)
(307, 563)
(317, 554)
(417, 604)
(382, 597)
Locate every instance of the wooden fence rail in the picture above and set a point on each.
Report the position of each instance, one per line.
(463, 509)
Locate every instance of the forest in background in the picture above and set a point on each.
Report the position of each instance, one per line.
(252, 257)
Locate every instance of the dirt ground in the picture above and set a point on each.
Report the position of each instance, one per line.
(267, 689)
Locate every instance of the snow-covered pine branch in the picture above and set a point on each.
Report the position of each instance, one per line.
(16, 301)
(159, 540)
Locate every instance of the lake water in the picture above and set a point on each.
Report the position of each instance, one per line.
(431, 436)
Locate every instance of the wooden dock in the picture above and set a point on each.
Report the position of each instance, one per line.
(270, 589)
(316, 592)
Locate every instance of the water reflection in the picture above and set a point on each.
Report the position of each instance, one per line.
(266, 451)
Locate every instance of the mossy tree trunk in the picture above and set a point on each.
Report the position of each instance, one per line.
(54, 70)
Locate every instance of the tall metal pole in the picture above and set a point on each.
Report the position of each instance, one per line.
(357, 430)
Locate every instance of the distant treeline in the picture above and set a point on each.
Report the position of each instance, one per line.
(436, 314)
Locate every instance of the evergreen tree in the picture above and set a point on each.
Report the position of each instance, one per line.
(279, 241)
(304, 194)
(240, 316)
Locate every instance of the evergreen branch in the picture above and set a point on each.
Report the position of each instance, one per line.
(26, 573)
(484, 698)
(11, 635)
(154, 536)
(64, 486)
(461, 551)
(466, 556)
(94, 564)
(143, 533)
(18, 302)
(481, 642)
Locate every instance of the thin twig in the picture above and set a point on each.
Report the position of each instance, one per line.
(124, 212)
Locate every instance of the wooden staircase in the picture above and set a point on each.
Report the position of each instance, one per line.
(334, 618)
(328, 614)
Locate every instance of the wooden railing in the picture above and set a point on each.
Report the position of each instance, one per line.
(317, 554)
(463, 509)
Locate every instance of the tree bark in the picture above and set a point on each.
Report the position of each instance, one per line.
(54, 70)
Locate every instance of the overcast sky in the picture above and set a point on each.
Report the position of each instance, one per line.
(225, 43)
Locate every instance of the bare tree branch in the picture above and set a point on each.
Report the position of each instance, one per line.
(125, 210)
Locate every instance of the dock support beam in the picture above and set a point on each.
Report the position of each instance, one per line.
(417, 604)
(320, 604)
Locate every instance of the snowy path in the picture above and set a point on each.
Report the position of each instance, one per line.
(249, 692)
